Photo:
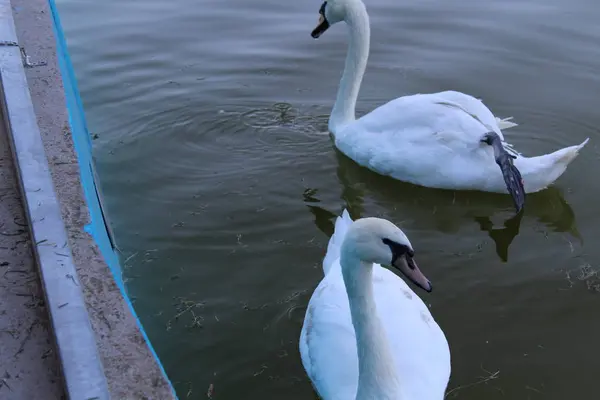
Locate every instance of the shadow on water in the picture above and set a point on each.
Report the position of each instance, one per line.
(447, 210)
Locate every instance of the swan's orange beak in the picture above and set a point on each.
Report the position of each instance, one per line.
(322, 26)
(407, 265)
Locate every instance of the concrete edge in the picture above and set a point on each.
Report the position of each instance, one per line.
(99, 226)
(75, 341)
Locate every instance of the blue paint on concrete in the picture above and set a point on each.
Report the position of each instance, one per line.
(98, 227)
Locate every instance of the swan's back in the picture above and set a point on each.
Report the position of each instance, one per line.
(424, 139)
(328, 342)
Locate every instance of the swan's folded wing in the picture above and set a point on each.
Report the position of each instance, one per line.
(342, 224)
(476, 107)
(328, 344)
(417, 119)
(418, 343)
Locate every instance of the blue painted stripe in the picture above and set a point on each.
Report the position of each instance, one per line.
(83, 147)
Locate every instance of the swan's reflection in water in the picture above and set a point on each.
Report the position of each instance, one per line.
(443, 210)
(503, 237)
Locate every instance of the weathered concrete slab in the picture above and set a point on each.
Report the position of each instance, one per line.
(29, 368)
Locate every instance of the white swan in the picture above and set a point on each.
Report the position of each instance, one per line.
(366, 334)
(446, 140)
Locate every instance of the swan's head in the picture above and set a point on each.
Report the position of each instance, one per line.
(376, 240)
(332, 12)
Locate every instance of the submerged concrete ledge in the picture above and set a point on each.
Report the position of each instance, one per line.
(100, 344)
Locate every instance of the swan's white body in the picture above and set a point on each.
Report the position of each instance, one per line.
(431, 140)
(418, 352)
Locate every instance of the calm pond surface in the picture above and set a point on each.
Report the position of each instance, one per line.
(222, 192)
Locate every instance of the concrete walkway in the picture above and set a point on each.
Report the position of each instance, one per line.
(28, 365)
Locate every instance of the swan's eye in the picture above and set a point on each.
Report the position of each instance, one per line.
(397, 248)
(322, 9)
(388, 242)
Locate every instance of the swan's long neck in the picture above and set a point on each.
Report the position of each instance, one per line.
(343, 111)
(377, 377)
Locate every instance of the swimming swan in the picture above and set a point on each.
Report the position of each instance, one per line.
(446, 140)
(366, 334)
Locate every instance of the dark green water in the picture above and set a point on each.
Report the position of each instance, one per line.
(222, 192)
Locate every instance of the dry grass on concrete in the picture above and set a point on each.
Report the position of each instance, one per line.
(28, 365)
